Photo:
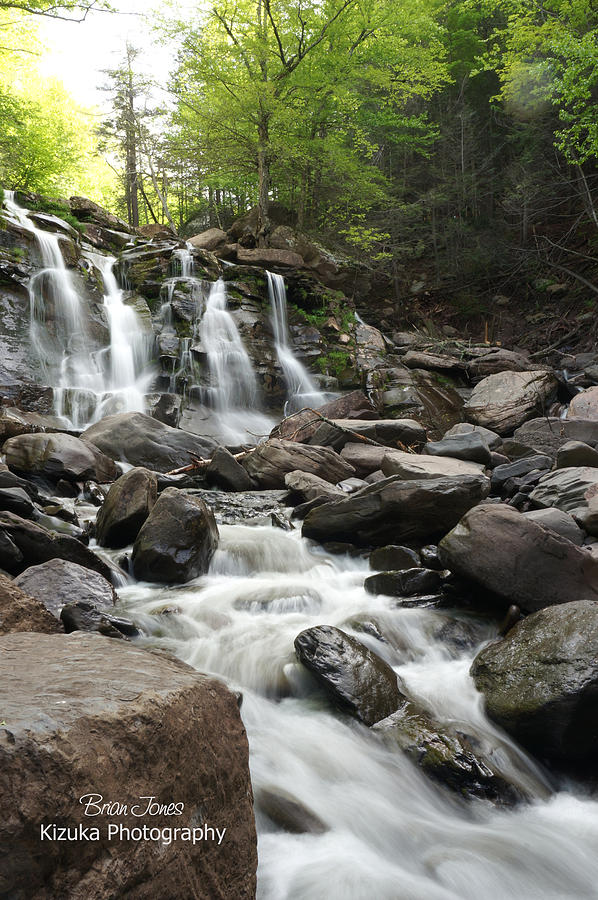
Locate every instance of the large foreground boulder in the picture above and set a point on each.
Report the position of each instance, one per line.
(24, 544)
(270, 462)
(20, 612)
(177, 540)
(395, 509)
(540, 683)
(504, 401)
(58, 582)
(125, 733)
(128, 504)
(356, 678)
(142, 441)
(57, 456)
(518, 560)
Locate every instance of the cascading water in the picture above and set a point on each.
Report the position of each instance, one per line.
(389, 833)
(301, 388)
(90, 380)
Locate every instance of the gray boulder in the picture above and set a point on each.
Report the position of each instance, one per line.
(492, 439)
(469, 447)
(72, 706)
(58, 582)
(126, 507)
(576, 453)
(177, 541)
(497, 360)
(393, 557)
(365, 458)
(558, 521)
(141, 440)
(405, 583)
(565, 489)
(547, 435)
(418, 466)
(395, 509)
(504, 401)
(308, 487)
(502, 473)
(227, 473)
(357, 679)
(272, 460)
(584, 405)
(20, 612)
(57, 456)
(540, 682)
(518, 560)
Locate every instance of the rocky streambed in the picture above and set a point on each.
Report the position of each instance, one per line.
(409, 627)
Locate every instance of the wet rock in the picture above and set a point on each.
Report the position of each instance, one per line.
(565, 489)
(405, 583)
(365, 458)
(518, 560)
(470, 447)
(288, 813)
(501, 474)
(213, 239)
(177, 541)
(584, 405)
(16, 500)
(576, 453)
(558, 521)
(255, 507)
(395, 509)
(35, 544)
(458, 761)
(166, 408)
(20, 612)
(58, 582)
(429, 557)
(57, 456)
(540, 682)
(128, 504)
(393, 557)
(14, 422)
(504, 401)
(143, 441)
(388, 432)
(272, 460)
(225, 472)
(547, 435)
(357, 679)
(306, 486)
(491, 438)
(419, 466)
(85, 616)
(140, 702)
(93, 493)
(421, 395)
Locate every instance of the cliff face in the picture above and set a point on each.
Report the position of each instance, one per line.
(85, 715)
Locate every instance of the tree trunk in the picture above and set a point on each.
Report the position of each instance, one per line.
(263, 165)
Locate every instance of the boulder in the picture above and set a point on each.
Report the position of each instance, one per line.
(504, 401)
(307, 487)
(127, 505)
(269, 463)
(16, 500)
(388, 432)
(365, 458)
(502, 473)
(427, 397)
(405, 583)
(213, 239)
(518, 560)
(460, 762)
(288, 813)
(301, 426)
(491, 438)
(584, 405)
(420, 359)
(84, 615)
(468, 447)
(142, 441)
(15, 421)
(540, 683)
(497, 360)
(24, 544)
(177, 541)
(558, 521)
(227, 473)
(57, 456)
(53, 753)
(395, 509)
(418, 466)
(356, 678)
(393, 557)
(20, 612)
(576, 453)
(547, 435)
(268, 258)
(58, 582)
(565, 488)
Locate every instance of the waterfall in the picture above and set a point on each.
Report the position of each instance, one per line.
(301, 388)
(390, 832)
(89, 380)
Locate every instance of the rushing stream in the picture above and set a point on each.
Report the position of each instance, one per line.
(391, 833)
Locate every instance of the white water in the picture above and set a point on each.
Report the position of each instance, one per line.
(90, 380)
(301, 388)
(392, 834)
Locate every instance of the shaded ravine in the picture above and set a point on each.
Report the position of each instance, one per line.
(390, 833)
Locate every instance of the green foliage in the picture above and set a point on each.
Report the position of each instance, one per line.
(58, 209)
(335, 362)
